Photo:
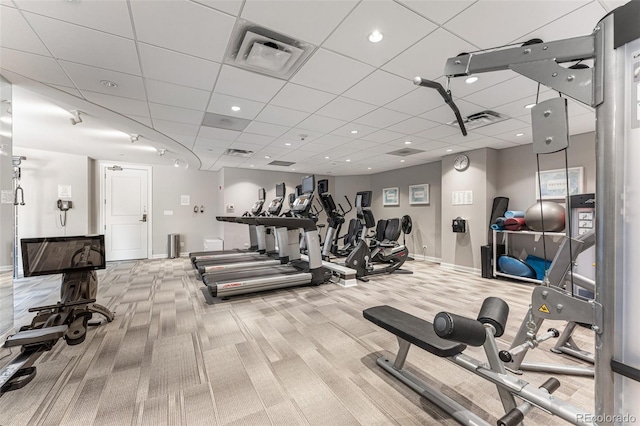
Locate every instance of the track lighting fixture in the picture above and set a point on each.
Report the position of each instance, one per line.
(76, 117)
(176, 163)
(162, 151)
(134, 137)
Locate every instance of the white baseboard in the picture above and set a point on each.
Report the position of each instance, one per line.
(5, 268)
(460, 268)
(422, 257)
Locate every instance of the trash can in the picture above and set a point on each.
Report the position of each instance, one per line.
(173, 246)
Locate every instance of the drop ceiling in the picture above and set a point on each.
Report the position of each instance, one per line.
(348, 105)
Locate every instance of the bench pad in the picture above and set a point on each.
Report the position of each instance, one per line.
(412, 329)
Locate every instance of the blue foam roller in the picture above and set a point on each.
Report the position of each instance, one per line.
(512, 266)
(513, 213)
(496, 227)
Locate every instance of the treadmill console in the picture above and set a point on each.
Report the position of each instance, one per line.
(276, 204)
(302, 204)
(257, 206)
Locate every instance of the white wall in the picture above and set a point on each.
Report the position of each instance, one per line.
(169, 184)
(425, 218)
(6, 215)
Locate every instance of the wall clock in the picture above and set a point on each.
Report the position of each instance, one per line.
(461, 163)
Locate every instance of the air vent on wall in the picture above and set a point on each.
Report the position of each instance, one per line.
(404, 152)
(281, 163)
(264, 51)
(224, 122)
(238, 152)
(480, 119)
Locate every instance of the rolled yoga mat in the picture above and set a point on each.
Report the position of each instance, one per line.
(513, 213)
(514, 224)
(500, 222)
(496, 227)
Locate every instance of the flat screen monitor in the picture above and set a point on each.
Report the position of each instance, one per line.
(298, 190)
(363, 199)
(281, 190)
(308, 184)
(323, 186)
(262, 194)
(59, 255)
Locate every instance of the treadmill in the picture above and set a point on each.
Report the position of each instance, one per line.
(225, 265)
(256, 209)
(297, 272)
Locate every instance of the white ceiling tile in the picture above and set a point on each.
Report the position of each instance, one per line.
(171, 113)
(380, 88)
(292, 156)
(301, 98)
(218, 134)
(459, 138)
(512, 18)
(432, 145)
(247, 147)
(221, 104)
(109, 16)
(362, 130)
(331, 72)
(413, 125)
(229, 6)
(69, 90)
(437, 11)
(383, 136)
(328, 141)
(321, 124)
(416, 102)
(283, 116)
(215, 145)
(248, 85)
(516, 109)
(427, 57)
(444, 113)
(144, 120)
(266, 129)
(500, 127)
(345, 109)
(184, 140)
(122, 105)
(173, 127)
(582, 123)
(576, 23)
(381, 118)
(310, 20)
(17, 34)
(171, 24)
(86, 46)
(510, 136)
(89, 78)
(503, 93)
(40, 68)
(416, 142)
(255, 139)
(177, 68)
(399, 26)
(362, 145)
(436, 133)
(489, 143)
(180, 96)
(298, 134)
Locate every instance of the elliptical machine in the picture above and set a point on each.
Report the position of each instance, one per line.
(335, 218)
(389, 256)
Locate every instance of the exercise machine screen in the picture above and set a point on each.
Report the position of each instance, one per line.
(59, 255)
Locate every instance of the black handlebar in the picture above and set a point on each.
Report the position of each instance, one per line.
(446, 96)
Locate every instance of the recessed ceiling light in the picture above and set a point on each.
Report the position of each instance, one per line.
(449, 150)
(235, 108)
(267, 156)
(354, 132)
(519, 134)
(375, 36)
(109, 84)
(293, 170)
(368, 168)
(529, 106)
(402, 161)
(472, 79)
(326, 158)
(347, 160)
(252, 165)
(407, 142)
(287, 143)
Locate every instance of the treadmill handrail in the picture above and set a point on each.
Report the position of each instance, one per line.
(288, 222)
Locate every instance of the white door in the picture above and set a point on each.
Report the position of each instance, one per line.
(126, 221)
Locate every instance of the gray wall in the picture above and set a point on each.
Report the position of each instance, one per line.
(426, 218)
(6, 215)
(349, 186)
(169, 184)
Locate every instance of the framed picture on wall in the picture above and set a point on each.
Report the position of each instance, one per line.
(552, 184)
(419, 194)
(391, 196)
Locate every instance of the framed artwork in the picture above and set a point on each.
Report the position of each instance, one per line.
(391, 196)
(553, 183)
(419, 194)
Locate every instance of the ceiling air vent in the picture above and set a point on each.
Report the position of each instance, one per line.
(264, 51)
(224, 122)
(480, 119)
(281, 163)
(404, 152)
(238, 152)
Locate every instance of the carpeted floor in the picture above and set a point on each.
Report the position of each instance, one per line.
(295, 356)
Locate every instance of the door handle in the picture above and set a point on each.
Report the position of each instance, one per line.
(144, 218)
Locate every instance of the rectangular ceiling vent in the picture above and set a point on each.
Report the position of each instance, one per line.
(281, 163)
(480, 119)
(226, 122)
(264, 51)
(238, 152)
(405, 152)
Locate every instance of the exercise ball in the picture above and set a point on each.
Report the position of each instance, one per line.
(552, 213)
